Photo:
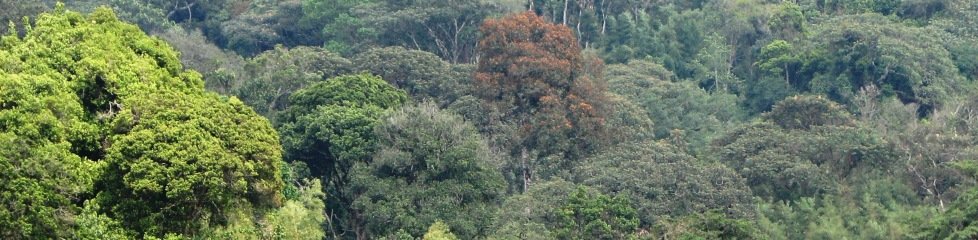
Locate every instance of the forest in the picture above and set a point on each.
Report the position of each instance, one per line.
(489, 119)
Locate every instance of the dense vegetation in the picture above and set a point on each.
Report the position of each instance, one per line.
(489, 119)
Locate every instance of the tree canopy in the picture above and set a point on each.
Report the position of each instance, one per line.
(488, 119)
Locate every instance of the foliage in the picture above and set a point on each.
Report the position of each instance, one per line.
(168, 169)
(15, 11)
(421, 74)
(262, 25)
(673, 106)
(958, 222)
(598, 216)
(786, 164)
(715, 119)
(439, 231)
(330, 126)
(806, 112)
(661, 180)
(712, 224)
(865, 216)
(532, 72)
(302, 217)
(106, 115)
(855, 51)
(271, 77)
(448, 29)
(337, 115)
(429, 165)
(532, 214)
(221, 69)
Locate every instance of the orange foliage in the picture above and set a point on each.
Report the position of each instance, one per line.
(533, 71)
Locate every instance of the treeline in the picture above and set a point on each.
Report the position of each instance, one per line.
(489, 119)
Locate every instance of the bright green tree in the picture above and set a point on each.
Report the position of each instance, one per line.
(102, 113)
(596, 216)
(439, 231)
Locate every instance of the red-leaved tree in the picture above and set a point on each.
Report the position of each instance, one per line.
(533, 73)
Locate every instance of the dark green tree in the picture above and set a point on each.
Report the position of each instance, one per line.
(421, 74)
(806, 112)
(429, 165)
(330, 126)
(661, 180)
(959, 221)
(671, 105)
(711, 224)
(271, 77)
(851, 52)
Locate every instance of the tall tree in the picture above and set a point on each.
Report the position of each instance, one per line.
(330, 126)
(109, 120)
(533, 73)
(429, 165)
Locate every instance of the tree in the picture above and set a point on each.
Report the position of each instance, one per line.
(257, 26)
(629, 122)
(778, 59)
(421, 74)
(958, 222)
(599, 216)
(816, 151)
(806, 112)
(159, 160)
(931, 148)
(529, 215)
(439, 231)
(713, 65)
(673, 106)
(115, 121)
(302, 217)
(342, 30)
(779, 76)
(711, 224)
(271, 77)
(429, 165)
(448, 29)
(788, 21)
(662, 181)
(330, 126)
(40, 117)
(531, 71)
(14, 11)
(909, 63)
(222, 70)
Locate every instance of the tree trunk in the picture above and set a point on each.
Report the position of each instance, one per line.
(786, 79)
(565, 12)
(580, 14)
(526, 169)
